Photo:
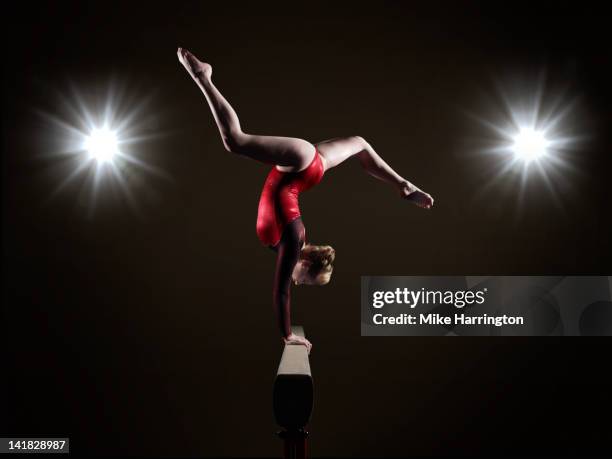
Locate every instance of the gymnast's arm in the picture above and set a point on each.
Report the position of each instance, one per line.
(288, 254)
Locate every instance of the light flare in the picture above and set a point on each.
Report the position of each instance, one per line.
(95, 140)
(101, 144)
(530, 144)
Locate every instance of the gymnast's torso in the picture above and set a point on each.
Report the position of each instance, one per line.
(278, 203)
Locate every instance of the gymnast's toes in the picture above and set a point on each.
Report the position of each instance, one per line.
(193, 65)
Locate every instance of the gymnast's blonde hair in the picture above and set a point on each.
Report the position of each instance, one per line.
(315, 264)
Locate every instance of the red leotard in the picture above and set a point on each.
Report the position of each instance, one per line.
(278, 204)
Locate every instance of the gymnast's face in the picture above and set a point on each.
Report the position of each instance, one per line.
(314, 266)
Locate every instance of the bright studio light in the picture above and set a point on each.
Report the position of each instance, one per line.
(529, 145)
(531, 138)
(94, 136)
(102, 144)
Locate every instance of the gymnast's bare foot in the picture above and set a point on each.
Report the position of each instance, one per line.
(198, 70)
(411, 193)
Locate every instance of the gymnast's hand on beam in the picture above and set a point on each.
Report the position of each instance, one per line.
(299, 340)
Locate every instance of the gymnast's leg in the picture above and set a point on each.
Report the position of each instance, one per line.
(336, 151)
(290, 154)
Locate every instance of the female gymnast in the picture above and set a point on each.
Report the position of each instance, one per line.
(297, 165)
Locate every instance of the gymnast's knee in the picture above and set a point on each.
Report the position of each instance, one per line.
(235, 142)
(359, 140)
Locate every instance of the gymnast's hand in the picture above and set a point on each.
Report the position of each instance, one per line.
(299, 340)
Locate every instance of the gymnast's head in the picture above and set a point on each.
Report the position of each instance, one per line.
(315, 265)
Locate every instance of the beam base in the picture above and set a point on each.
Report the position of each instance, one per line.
(294, 443)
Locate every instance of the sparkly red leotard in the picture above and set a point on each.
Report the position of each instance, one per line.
(278, 204)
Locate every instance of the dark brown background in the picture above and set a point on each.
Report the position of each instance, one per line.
(152, 333)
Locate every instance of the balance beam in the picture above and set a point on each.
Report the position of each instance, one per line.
(293, 388)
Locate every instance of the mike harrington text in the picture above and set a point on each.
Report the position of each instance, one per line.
(438, 319)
